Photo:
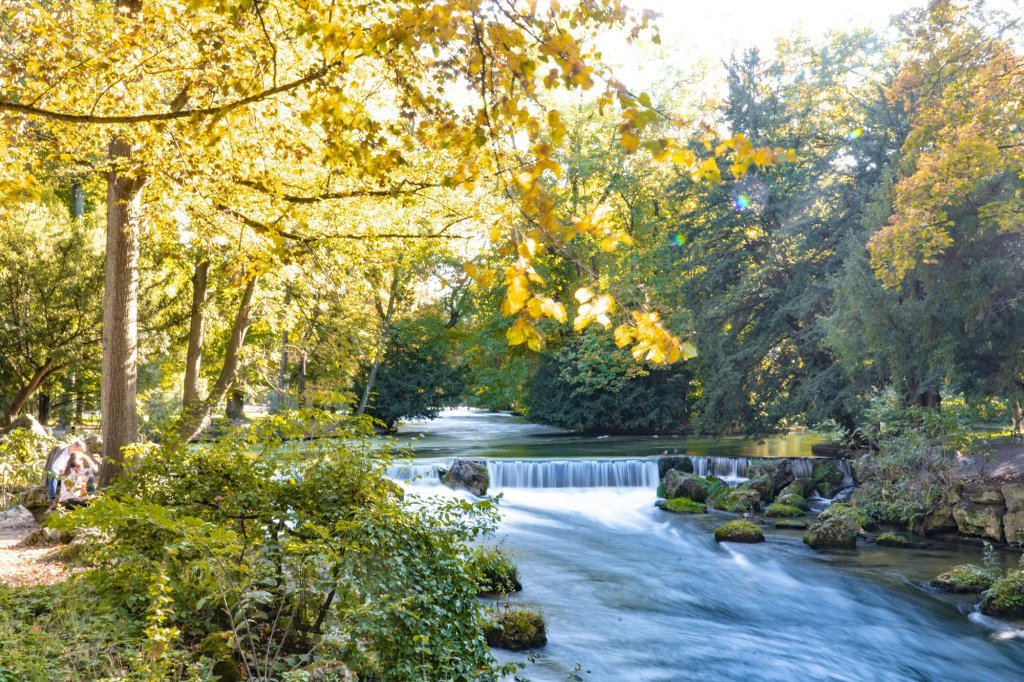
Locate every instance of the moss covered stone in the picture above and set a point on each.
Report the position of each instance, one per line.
(791, 524)
(679, 484)
(738, 501)
(826, 471)
(835, 528)
(964, 578)
(219, 648)
(739, 531)
(893, 540)
(759, 484)
(1006, 597)
(515, 629)
(779, 510)
(683, 505)
(793, 500)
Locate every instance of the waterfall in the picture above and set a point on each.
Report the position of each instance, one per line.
(597, 473)
(573, 473)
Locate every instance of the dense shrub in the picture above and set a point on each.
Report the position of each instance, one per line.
(22, 454)
(498, 573)
(297, 549)
(591, 385)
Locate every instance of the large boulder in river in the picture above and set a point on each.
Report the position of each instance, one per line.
(678, 484)
(779, 474)
(738, 501)
(964, 578)
(678, 462)
(468, 474)
(835, 528)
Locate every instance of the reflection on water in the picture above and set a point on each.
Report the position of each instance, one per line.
(475, 433)
(635, 594)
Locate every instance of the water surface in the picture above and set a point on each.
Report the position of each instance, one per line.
(634, 593)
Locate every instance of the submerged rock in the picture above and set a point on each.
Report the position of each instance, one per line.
(468, 474)
(1006, 597)
(896, 540)
(683, 505)
(791, 524)
(964, 578)
(515, 629)
(739, 531)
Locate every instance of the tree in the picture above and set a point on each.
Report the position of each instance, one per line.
(417, 376)
(49, 303)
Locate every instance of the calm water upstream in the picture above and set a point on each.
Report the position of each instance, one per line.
(634, 593)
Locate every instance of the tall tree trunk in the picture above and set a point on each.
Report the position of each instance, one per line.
(44, 409)
(120, 312)
(385, 335)
(193, 424)
(194, 355)
(39, 375)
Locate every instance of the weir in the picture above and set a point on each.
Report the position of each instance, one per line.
(598, 473)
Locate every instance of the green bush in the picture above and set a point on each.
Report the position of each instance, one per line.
(1006, 597)
(278, 540)
(22, 456)
(498, 573)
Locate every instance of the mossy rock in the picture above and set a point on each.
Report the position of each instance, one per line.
(779, 510)
(777, 472)
(683, 505)
(761, 485)
(515, 629)
(679, 484)
(826, 489)
(219, 648)
(660, 492)
(329, 671)
(833, 532)
(964, 578)
(468, 474)
(800, 486)
(739, 531)
(791, 524)
(896, 540)
(499, 575)
(793, 500)
(826, 471)
(843, 509)
(738, 501)
(1006, 597)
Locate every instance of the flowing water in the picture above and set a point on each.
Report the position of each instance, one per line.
(634, 593)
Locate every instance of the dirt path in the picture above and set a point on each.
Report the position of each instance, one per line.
(1005, 461)
(20, 567)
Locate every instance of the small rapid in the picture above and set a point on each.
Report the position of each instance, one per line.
(634, 594)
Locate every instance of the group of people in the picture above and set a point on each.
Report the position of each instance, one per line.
(71, 476)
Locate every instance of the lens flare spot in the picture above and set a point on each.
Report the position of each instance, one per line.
(678, 239)
(855, 133)
(742, 202)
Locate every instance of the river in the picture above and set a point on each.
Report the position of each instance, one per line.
(632, 593)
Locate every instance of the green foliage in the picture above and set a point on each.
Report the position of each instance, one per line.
(498, 573)
(902, 483)
(1006, 596)
(683, 505)
(22, 456)
(888, 539)
(591, 385)
(736, 501)
(417, 377)
(280, 541)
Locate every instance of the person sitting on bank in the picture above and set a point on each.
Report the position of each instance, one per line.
(73, 484)
(56, 468)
